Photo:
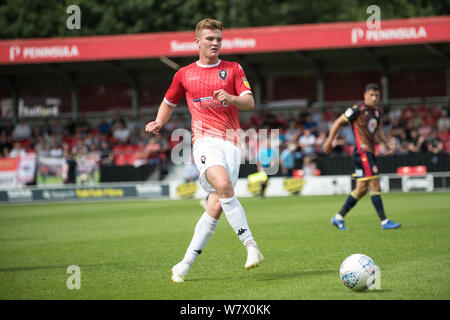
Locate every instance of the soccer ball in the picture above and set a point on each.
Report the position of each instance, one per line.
(358, 272)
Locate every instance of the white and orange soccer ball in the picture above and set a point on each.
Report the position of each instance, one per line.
(358, 272)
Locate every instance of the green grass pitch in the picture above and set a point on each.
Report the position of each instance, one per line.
(125, 250)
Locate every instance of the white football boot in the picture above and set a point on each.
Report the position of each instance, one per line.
(179, 271)
(254, 257)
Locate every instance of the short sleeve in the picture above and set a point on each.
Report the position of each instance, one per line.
(176, 90)
(351, 113)
(241, 84)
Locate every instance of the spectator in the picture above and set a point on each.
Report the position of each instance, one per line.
(55, 150)
(416, 142)
(17, 150)
(153, 149)
(434, 144)
(5, 143)
(307, 142)
(42, 148)
(309, 167)
(69, 168)
(397, 130)
(22, 131)
(69, 127)
(287, 160)
(106, 153)
(121, 133)
(190, 171)
(103, 127)
(46, 128)
(83, 126)
(58, 128)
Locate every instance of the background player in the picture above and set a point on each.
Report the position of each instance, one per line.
(364, 118)
(214, 91)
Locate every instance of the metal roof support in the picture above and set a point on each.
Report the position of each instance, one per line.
(71, 81)
(9, 82)
(254, 72)
(441, 54)
(318, 70)
(383, 67)
(135, 87)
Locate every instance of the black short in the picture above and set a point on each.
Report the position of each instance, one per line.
(365, 165)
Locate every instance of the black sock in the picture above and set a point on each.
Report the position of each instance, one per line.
(349, 204)
(378, 204)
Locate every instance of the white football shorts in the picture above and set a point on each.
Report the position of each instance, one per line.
(209, 151)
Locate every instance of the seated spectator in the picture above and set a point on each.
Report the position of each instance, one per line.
(309, 123)
(395, 113)
(309, 167)
(103, 127)
(5, 142)
(17, 150)
(121, 133)
(307, 142)
(408, 112)
(397, 130)
(69, 127)
(287, 160)
(42, 148)
(22, 131)
(106, 153)
(56, 151)
(190, 171)
(83, 125)
(416, 142)
(46, 128)
(153, 149)
(434, 144)
(58, 128)
(320, 140)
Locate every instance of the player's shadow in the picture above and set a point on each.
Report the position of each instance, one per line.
(19, 239)
(34, 268)
(291, 275)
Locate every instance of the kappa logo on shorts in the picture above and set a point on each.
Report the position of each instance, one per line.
(223, 74)
(203, 159)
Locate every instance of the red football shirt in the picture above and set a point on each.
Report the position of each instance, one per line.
(209, 116)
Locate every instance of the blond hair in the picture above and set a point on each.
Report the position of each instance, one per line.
(208, 24)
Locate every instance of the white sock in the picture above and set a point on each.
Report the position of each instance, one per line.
(384, 222)
(235, 215)
(339, 217)
(203, 232)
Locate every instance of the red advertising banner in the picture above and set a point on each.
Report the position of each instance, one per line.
(235, 41)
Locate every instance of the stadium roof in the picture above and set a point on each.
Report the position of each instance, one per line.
(236, 41)
(277, 50)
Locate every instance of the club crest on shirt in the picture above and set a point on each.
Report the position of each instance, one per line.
(223, 74)
(372, 126)
(203, 159)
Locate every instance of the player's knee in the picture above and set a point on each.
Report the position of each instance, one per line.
(224, 189)
(214, 209)
(361, 191)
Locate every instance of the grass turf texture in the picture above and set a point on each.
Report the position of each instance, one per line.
(125, 250)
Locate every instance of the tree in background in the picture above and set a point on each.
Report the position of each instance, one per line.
(35, 18)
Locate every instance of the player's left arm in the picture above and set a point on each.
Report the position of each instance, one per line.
(244, 102)
(379, 135)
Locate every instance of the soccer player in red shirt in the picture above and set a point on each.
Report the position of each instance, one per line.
(364, 118)
(215, 90)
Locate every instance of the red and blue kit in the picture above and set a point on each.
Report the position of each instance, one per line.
(364, 121)
(198, 82)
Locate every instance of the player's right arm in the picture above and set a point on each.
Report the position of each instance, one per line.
(350, 114)
(164, 113)
(171, 99)
(338, 123)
